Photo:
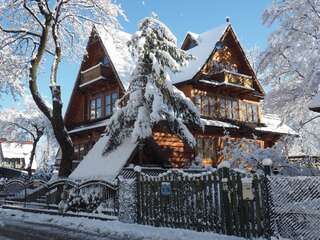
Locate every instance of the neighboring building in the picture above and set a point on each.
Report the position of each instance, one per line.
(15, 154)
(220, 82)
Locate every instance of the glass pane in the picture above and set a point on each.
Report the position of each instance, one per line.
(108, 105)
(114, 99)
(222, 107)
(197, 102)
(229, 108)
(92, 109)
(205, 106)
(105, 60)
(255, 113)
(213, 107)
(235, 109)
(199, 148)
(99, 107)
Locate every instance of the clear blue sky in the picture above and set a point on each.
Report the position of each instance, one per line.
(182, 16)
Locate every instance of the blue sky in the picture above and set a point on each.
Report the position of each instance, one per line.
(182, 16)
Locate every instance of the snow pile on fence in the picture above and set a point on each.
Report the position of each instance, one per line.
(97, 165)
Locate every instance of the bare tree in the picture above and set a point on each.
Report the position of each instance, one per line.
(46, 31)
(26, 123)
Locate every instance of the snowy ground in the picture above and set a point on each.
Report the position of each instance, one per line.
(13, 223)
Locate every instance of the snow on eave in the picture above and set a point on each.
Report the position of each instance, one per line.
(88, 127)
(216, 123)
(275, 125)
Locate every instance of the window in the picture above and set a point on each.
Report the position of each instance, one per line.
(95, 110)
(222, 104)
(197, 102)
(205, 105)
(92, 109)
(235, 109)
(108, 105)
(114, 98)
(207, 150)
(213, 107)
(105, 60)
(255, 113)
(110, 101)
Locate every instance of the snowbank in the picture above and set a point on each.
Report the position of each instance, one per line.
(97, 165)
(113, 229)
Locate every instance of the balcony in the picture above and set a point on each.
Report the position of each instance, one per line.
(228, 77)
(93, 74)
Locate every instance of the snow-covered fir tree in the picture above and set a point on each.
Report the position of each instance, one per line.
(291, 68)
(151, 97)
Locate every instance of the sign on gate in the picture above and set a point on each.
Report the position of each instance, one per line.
(166, 188)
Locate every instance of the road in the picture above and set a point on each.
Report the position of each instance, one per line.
(18, 230)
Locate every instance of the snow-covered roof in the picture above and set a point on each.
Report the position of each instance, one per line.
(99, 166)
(22, 150)
(315, 103)
(275, 125)
(193, 35)
(206, 44)
(115, 44)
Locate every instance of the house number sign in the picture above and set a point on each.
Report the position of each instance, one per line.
(247, 191)
(165, 188)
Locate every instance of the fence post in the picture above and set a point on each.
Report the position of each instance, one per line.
(137, 171)
(267, 164)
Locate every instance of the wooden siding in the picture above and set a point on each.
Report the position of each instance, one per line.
(179, 154)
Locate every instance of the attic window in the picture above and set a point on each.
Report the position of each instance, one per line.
(105, 60)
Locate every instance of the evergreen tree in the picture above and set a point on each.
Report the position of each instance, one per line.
(151, 97)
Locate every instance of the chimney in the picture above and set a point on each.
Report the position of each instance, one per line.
(227, 19)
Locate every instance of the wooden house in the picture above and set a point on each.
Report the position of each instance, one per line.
(15, 154)
(220, 82)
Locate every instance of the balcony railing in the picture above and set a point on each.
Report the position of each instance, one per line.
(233, 78)
(94, 73)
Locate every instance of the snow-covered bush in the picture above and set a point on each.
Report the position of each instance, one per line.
(76, 200)
(244, 153)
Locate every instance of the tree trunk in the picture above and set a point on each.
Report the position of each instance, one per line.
(54, 115)
(33, 153)
(61, 133)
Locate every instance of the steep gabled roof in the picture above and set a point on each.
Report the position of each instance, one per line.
(206, 45)
(116, 48)
(205, 48)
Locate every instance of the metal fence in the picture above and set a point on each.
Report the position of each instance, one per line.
(91, 196)
(223, 201)
(295, 207)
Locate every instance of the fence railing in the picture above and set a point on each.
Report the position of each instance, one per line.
(224, 201)
(90, 196)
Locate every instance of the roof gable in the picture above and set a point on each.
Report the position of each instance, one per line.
(201, 52)
(204, 51)
(116, 48)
